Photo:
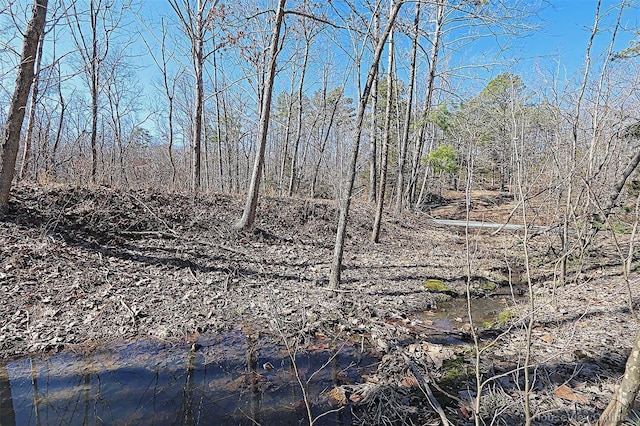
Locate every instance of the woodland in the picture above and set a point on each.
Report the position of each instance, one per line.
(280, 167)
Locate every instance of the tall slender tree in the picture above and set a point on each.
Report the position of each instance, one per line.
(94, 43)
(28, 137)
(15, 117)
(168, 82)
(308, 32)
(249, 213)
(433, 62)
(386, 139)
(338, 251)
(373, 138)
(194, 24)
(404, 140)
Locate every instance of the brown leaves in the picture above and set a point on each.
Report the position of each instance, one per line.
(566, 393)
(337, 397)
(409, 382)
(547, 338)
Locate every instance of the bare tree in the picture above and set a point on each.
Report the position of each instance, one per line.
(32, 110)
(373, 138)
(16, 113)
(94, 43)
(249, 213)
(194, 24)
(308, 34)
(386, 138)
(336, 265)
(433, 62)
(404, 141)
(163, 62)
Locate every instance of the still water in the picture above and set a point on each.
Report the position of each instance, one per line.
(229, 379)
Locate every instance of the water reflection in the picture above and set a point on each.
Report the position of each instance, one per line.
(453, 314)
(224, 380)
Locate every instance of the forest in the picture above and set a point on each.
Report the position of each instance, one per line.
(407, 182)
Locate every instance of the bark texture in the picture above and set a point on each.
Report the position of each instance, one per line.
(16, 113)
(618, 409)
(32, 111)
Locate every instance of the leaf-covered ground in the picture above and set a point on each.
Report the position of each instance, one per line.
(84, 266)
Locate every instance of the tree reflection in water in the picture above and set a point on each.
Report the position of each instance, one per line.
(218, 381)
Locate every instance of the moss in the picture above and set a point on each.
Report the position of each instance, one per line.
(483, 286)
(455, 373)
(437, 286)
(506, 316)
(488, 286)
(621, 228)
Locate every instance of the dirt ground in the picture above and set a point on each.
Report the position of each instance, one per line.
(84, 266)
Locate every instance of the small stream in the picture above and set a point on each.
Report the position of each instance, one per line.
(229, 379)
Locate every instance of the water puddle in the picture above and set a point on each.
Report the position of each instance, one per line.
(450, 318)
(228, 379)
(453, 314)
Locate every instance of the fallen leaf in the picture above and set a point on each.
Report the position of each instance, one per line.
(337, 397)
(355, 397)
(547, 338)
(236, 384)
(409, 382)
(318, 347)
(557, 378)
(565, 392)
(466, 413)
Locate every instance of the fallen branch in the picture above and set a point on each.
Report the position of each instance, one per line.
(424, 387)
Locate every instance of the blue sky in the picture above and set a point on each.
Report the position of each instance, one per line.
(563, 31)
(566, 27)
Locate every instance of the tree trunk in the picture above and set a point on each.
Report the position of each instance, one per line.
(336, 265)
(52, 163)
(622, 401)
(441, 5)
(249, 213)
(16, 113)
(296, 142)
(326, 125)
(373, 143)
(285, 143)
(198, 61)
(216, 90)
(95, 68)
(404, 142)
(32, 112)
(377, 222)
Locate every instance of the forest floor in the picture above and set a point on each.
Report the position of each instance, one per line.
(79, 267)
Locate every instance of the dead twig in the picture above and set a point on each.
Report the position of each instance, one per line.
(147, 208)
(424, 387)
